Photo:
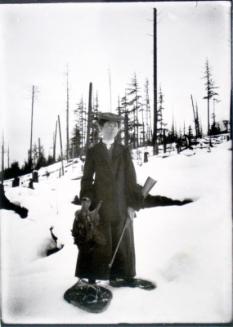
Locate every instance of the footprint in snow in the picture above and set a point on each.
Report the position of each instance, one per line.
(179, 265)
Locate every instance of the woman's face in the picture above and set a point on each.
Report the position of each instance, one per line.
(109, 130)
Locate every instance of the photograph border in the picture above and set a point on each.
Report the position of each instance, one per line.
(4, 2)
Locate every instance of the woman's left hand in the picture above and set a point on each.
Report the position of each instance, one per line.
(131, 213)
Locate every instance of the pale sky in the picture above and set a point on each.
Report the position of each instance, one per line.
(38, 41)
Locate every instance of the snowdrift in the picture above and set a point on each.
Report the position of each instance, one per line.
(185, 250)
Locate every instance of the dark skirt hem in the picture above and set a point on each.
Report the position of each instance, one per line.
(104, 277)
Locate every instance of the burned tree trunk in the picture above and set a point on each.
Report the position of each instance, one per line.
(154, 140)
(61, 150)
(89, 116)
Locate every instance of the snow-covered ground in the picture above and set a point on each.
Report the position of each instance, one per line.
(186, 250)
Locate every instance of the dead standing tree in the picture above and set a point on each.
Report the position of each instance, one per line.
(61, 149)
(84, 132)
(210, 93)
(94, 130)
(195, 119)
(198, 123)
(31, 132)
(55, 143)
(155, 140)
(89, 117)
(67, 114)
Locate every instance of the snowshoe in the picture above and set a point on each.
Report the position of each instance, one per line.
(89, 297)
(133, 282)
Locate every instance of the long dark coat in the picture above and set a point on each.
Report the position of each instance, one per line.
(110, 177)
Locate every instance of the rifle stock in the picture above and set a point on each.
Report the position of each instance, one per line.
(149, 184)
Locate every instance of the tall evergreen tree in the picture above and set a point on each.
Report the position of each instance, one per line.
(161, 130)
(190, 131)
(148, 129)
(184, 129)
(120, 112)
(215, 129)
(210, 91)
(125, 111)
(134, 107)
(160, 112)
(41, 160)
(81, 121)
(76, 142)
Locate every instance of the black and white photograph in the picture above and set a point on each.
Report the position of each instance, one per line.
(116, 163)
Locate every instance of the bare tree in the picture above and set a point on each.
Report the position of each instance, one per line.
(31, 133)
(198, 123)
(61, 149)
(67, 113)
(55, 143)
(94, 129)
(155, 133)
(89, 117)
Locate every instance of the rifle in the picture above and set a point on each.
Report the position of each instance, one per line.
(149, 184)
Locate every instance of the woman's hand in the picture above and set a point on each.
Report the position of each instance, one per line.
(131, 213)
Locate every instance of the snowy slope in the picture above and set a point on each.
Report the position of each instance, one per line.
(185, 250)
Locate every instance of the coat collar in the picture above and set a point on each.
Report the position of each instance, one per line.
(116, 148)
(116, 151)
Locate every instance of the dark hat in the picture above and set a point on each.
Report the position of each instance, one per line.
(108, 116)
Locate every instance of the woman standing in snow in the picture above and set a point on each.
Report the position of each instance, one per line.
(109, 177)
